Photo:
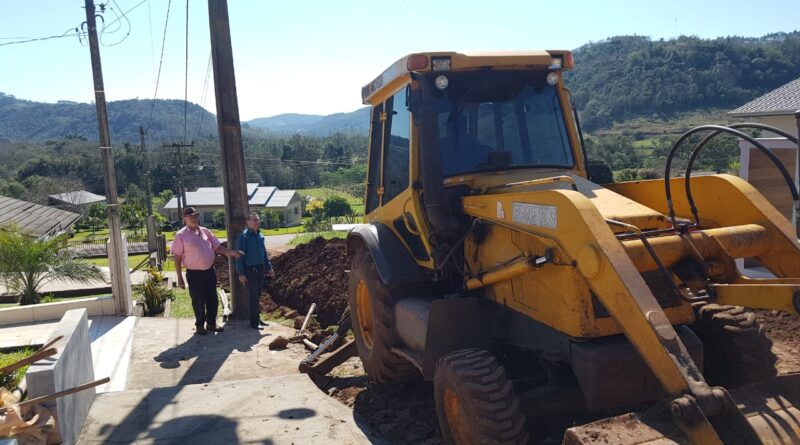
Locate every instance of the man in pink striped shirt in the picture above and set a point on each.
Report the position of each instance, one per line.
(196, 247)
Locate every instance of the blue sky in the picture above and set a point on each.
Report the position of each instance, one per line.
(314, 56)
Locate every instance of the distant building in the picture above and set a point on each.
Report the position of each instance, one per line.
(776, 108)
(36, 219)
(76, 201)
(208, 200)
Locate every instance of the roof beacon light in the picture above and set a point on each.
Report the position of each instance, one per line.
(569, 61)
(556, 63)
(440, 63)
(442, 82)
(552, 78)
(417, 62)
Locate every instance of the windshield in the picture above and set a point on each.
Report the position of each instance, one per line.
(494, 120)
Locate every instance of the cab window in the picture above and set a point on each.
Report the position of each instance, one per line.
(373, 174)
(396, 130)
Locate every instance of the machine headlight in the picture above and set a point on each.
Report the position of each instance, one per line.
(442, 82)
(552, 78)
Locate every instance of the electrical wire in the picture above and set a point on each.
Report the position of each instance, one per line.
(186, 75)
(119, 27)
(158, 76)
(200, 113)
(39, 39)
(152, 44)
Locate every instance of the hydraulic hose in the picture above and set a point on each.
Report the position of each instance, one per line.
(718, 129)
(699, 147)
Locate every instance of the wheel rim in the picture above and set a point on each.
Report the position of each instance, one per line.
(455, 418)
(364, 310)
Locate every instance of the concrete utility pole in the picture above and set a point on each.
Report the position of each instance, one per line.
(234, 183)
(117, 255)
(147, 191)
(150, 221)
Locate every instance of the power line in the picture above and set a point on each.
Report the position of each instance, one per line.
(158, 76)
(186, 75)
(67, 34)
(152, 45)
(38, 39)
(203, 95)
(118, 18)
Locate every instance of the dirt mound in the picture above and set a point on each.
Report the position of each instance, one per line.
(784, 331)
(312, 273)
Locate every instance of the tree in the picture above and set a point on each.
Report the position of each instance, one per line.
(271, 218)
(337, 206)
(28, 263)
(218, 219)
(317, 212)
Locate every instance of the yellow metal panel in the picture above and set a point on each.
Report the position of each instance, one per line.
(573, 222)
(724, 201)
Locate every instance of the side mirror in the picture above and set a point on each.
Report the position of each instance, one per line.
(599, 172)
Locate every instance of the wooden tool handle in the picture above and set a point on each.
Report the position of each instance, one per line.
(35, 357)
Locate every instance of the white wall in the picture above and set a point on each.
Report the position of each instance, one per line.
(785, 123)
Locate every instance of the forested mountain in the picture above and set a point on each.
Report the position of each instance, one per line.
(633, 76)
(614, 80)
(356, 122)
(24, 120)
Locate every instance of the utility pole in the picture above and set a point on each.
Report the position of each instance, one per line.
(150, 221)
(230, 138)
(181, 196)
(117, 255)
(148, 192)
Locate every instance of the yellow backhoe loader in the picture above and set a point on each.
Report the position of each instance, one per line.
(495, 265)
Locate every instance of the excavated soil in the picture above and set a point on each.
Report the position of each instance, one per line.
(315, 272)
(403, 414)
(784, 331)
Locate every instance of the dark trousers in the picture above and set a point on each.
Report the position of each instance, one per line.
(203, 290)
(255, 284)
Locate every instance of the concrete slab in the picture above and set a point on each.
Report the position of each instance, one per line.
(26, 334)
(166, 352)
(71, 366)
(277, 411)
(111, 342)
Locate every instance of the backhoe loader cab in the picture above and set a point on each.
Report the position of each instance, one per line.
(491, 264)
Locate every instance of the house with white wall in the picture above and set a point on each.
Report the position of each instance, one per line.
(209, 200)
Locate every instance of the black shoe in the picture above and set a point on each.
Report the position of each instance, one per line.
(263, 323)
(200, 331)
(215, 328)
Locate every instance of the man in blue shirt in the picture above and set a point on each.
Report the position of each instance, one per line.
(253, 265)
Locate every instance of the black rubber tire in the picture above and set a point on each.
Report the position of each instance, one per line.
(491, 412)
(736, 350)
(380, 363)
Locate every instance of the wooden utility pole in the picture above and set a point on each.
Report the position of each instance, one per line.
(181, 196)
(117, 255)
(234, 183)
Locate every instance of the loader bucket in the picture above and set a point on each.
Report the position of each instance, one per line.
(772, 407)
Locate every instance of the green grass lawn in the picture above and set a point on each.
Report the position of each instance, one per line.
(306, 237)
(11, 381)
(181, 306)
(133, 260)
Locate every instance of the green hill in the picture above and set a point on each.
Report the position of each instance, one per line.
(631, 77)
(24, 120)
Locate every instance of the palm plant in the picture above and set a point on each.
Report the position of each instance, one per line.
(28, 263)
